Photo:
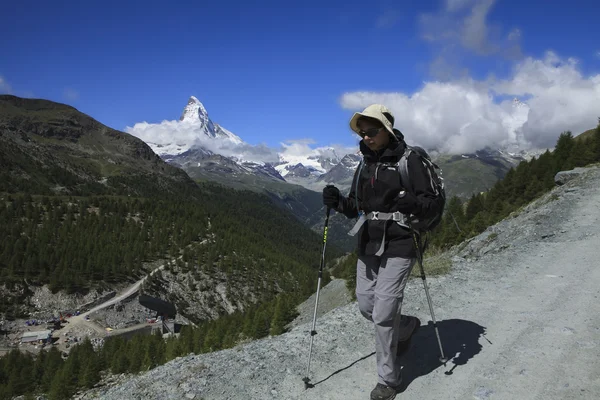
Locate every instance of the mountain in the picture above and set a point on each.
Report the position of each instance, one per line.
(51, 148)
(195, 119)
(343, 172)
(302, 166)
(466, 174)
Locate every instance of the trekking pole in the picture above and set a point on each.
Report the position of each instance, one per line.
(442, 358)
(313, 332)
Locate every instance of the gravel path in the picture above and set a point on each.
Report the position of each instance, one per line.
(517, 314)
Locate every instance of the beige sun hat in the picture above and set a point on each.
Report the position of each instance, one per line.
(376, 111)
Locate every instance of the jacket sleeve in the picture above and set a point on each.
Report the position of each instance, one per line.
(425, 204)
(347, 205)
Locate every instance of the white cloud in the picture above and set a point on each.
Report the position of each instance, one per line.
(71, 94)
(4, 86)
(301, 148)
(179, 136)
(464, 115)
(176, 136)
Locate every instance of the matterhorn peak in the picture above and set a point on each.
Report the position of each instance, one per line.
(194, 111)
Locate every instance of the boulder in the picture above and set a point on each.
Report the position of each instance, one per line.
(563, 177)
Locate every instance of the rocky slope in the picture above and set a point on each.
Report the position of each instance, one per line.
(517, 315)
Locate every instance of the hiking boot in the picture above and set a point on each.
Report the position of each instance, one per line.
(404, 345)
(383, 392)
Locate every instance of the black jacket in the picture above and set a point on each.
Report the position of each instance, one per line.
(377, 188)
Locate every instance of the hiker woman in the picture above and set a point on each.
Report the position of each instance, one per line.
(386, 250)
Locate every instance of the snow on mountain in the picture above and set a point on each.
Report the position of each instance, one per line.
(342, 173)
(319, 162)
(264, 169)
(193, 129)
(222, 132)
(195, 114)
(194, 111)
(169, 149)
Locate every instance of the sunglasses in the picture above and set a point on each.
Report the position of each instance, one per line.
(369, 132)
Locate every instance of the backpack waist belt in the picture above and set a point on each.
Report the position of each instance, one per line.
(398, 217)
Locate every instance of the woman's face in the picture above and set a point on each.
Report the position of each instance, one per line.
(374, 135)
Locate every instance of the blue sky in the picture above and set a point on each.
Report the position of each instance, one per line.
(271, 72)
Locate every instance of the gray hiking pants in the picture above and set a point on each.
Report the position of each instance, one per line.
(380, 283)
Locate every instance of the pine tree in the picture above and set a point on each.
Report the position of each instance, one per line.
(564, 144)
(278, 320)
(596, 142)
(212, 339)
(582, 153)
(53, 363)
(135, 353)
(478, 224)
(91, 372)
(120, 362)
(59, 388)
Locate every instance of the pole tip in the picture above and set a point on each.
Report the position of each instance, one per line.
(307, 384)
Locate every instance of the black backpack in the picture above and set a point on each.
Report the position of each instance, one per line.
(436, 184)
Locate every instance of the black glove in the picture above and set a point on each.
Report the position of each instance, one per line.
(407, 203)
(331, 196)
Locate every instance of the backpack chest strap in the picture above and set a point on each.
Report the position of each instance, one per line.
(398, 217)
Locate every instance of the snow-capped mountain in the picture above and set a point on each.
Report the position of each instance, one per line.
(199, 130)
(342, 173)
(194, 113)
(318, 163)
(206, 139)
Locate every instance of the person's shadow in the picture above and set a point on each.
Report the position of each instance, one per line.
(460, 341)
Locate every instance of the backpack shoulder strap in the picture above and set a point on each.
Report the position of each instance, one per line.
(359, 171)
(403, 168)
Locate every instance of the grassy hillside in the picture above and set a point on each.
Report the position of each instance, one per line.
(465, 176)
(585, 135)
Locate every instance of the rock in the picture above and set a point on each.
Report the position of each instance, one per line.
(563, 177)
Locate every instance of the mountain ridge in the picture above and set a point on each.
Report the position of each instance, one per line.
(49, 147)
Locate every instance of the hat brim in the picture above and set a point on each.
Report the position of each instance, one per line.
(356, 117)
